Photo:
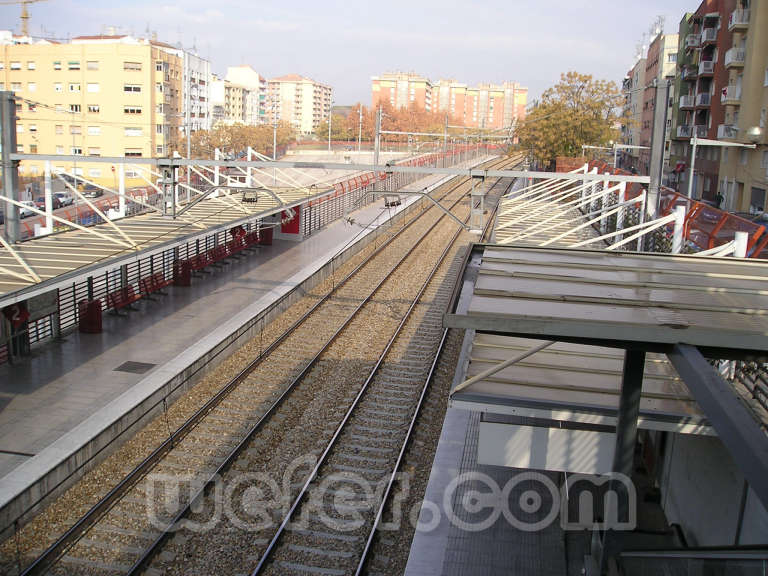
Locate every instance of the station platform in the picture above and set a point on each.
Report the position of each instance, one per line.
(67, 392)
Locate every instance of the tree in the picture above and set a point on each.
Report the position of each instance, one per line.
(236, 138)
(578, 110)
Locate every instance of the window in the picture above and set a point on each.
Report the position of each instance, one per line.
(58, 107)
(135, 152)
(59, 149)
(743, 157)
(19, 128)
(75, 129)
(15, 65)
(2, 65)
(160, 108)
(57, 65)
(33, 150)
(159, 66)
(31, 107)
(94, 152)
(73, 65)
(131, 88)
(159, 149)
(16, 86)
(159, 86)
(133, 131)
(76, 151)
(672, 57)
(92, 65)
(765, 81)
(74, 87)
(93, 87)
(159, 129)
(2, 85)
(764, 161)
(132, 66)
(32, 86)
(59, 129)
(132, 109)
(58, 87)
(33, 127)
(20, 148)
(93, 108)
(94, 130)
(31, 65)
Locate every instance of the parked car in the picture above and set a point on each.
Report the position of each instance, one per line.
(24, 211)
(65, 198)
(91, 191)
(40, 203)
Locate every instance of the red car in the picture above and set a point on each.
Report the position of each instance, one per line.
(40, 203)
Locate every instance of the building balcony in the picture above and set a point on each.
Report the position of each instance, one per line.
(692, 41)
(727, 131)
(703, 100)
(731, 95)
(684, 131)
(687, 101)
(701, 131)
(734, 57)
(706, 68)
(738, 20)
(690, 72)
(709, 35)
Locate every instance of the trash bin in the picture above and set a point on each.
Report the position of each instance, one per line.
(182, 273)
(90, 316)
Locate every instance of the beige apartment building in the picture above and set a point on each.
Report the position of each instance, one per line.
(300, 101)
(402, 90)
(94, 96)
(744, 172)
(487, 106)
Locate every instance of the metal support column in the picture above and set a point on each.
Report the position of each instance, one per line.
(10, 167)
(624, 450)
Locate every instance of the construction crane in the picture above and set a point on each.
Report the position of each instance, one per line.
(24, 12)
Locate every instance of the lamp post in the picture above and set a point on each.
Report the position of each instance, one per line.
(360, 131)
(695, 142)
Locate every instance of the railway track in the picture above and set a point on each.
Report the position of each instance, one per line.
(110, 537)
(333, 521)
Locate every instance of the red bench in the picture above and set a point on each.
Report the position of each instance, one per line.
(122, 298)
(154, 284)
(200, 262)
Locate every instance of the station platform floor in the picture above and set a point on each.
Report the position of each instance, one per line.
(52, 399)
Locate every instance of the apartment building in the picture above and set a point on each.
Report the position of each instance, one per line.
(704, 37)
(660, 64)
(104, 95)
(300, 101)
(633, 88)
(255, 96)
(402, 90)
(487, 106)
(744, 172)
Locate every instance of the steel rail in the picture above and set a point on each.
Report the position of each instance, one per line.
(409, 434)
(157, 544)
(57, 549)
(265, 558)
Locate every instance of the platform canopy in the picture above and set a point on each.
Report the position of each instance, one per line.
(613, 341)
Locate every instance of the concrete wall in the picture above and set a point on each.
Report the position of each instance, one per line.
(703, 491)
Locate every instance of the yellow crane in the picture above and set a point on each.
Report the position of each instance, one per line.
(24, 12)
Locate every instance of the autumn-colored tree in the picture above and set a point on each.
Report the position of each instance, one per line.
(578, 110)
(235, 139)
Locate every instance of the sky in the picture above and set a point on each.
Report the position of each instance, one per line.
(343, 44)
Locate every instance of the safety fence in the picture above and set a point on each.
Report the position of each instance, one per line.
(706, 227)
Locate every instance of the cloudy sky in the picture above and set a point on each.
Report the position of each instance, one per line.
(344, 43)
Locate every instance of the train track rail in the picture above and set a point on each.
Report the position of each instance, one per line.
(113, 533)
(342, 502)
